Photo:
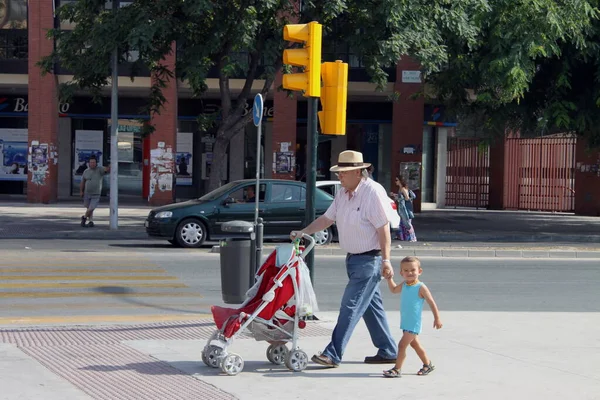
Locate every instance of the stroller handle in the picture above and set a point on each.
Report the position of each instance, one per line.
(311, 245)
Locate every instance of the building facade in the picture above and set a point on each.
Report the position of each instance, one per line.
(45, 144)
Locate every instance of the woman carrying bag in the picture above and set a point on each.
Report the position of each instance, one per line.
(404, 199)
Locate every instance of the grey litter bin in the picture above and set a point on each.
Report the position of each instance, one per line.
(237, 257)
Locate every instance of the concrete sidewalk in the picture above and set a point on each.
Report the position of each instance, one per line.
(478, 355)
(61, 221)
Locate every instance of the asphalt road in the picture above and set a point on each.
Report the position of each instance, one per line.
(62, 281)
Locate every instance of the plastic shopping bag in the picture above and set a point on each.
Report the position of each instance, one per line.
(307, 300)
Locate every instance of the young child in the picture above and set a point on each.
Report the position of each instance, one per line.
(413, 293)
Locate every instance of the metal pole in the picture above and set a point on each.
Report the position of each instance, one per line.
(257, 192)
(114, 134)
(312, 142)
(259, 243)
(258, 222)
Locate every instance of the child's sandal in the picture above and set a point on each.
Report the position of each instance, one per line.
(426, 369)
(392, 373)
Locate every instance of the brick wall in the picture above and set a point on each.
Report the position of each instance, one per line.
(43, 105)
(407, 125)
(285, 112)
(587, 182)
(165, 135)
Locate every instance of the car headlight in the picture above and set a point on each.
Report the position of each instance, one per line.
(164, 214)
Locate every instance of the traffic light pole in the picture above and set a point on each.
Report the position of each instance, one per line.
(312, 142)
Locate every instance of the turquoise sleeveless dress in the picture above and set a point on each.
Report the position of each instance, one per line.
(411, 308)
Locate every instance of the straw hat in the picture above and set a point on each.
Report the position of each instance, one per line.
(349, 160)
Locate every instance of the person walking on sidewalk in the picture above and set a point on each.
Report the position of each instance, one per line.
(361, 210)
(90, 189)
(413, 294)
(404, 199)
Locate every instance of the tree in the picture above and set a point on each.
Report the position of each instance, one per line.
(243, 38)
(534, 69)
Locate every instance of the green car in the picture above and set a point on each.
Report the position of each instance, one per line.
(282, 207)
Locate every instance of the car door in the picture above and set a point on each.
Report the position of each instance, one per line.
(238, 207)
(286, 208)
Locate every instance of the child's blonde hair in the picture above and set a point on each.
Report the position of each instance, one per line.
(411, 259)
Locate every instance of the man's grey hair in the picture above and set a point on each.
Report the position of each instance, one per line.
(364, 173)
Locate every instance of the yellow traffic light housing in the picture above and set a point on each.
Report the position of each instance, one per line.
(334, 97)
(308, 57)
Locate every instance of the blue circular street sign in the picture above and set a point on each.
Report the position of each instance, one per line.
(257, 109)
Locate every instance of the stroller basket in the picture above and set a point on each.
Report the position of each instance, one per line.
(264, 333)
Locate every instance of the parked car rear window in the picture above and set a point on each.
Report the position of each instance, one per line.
(319, 195)
(281, 192)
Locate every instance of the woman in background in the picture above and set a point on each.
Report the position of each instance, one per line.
(404, 199)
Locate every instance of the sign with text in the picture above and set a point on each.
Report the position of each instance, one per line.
(411, 76)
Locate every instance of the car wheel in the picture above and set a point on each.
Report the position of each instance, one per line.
(190, 233)
(323, 237)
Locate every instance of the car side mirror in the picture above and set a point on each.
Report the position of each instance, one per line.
(228, 200)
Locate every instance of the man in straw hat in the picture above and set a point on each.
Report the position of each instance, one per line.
(362, 212)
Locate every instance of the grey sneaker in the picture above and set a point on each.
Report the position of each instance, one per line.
(83, 219)
(90, 224)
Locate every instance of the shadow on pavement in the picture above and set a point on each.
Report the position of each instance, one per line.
(150, 368)
(125, 292)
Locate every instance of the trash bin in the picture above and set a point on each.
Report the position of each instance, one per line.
(237, 257)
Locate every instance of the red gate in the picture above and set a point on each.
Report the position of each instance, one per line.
(467, 173)
(540, 174)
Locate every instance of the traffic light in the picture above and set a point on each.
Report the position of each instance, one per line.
(334, 96)
(308, 57)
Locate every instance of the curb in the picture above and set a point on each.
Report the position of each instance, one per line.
(463, 253)
(88, 234)
(491, 237)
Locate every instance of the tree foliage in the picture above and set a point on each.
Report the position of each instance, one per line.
(243, 38)
(534, 68)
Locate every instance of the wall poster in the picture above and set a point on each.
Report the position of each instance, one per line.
(13, 154)
(185, 158)
(87, 144)
(411, 171)
(284, 162)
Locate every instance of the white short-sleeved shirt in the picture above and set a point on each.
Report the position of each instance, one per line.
(358, 216)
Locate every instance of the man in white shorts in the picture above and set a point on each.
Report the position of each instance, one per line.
(90, 189)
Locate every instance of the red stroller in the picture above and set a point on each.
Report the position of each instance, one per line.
(274, 310)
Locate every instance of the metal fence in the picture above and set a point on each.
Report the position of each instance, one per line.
(467, 173)
(540, 174)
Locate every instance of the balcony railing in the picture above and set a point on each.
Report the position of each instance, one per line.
(13, 44)
(13, 51)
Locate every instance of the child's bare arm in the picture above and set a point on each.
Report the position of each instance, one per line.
(394, 288)
(426, 294)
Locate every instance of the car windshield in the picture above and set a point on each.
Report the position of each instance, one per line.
(219, 192)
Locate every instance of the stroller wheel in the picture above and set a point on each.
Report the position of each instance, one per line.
(210, 356)
(296, 360)
(232, 364)
(276, 353)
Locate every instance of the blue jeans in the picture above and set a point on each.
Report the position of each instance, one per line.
(362, 298)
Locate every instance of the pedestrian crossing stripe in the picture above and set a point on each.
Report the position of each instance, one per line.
(86, 278)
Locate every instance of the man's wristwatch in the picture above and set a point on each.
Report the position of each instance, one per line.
(386, 261)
